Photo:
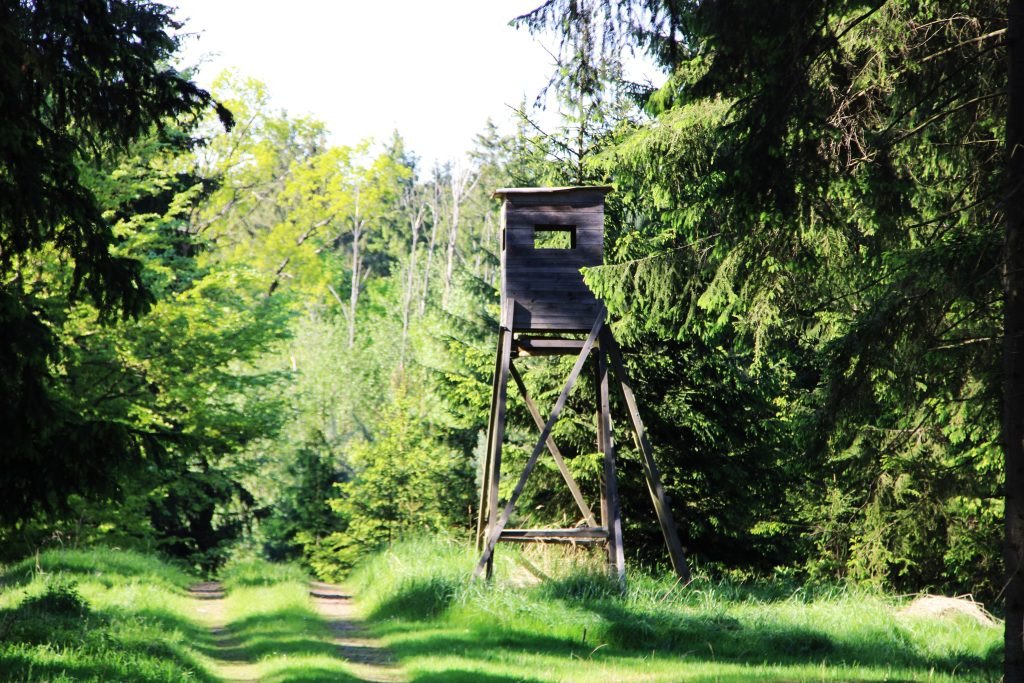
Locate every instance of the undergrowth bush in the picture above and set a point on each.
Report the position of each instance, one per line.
(60, 596)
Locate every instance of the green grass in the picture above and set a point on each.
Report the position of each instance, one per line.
(98, 615)
(115, 615)
(273, 623)
(577, 627)
(109, 615)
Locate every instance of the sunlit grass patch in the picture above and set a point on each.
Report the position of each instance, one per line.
(97, 615)
(576, 626)
(249, 572)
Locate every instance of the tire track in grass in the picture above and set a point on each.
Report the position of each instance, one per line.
(369, 660)
(226, 657)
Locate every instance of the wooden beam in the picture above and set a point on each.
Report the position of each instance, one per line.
(486, 474)
(598, 532)
(566, 540)
(661, 506)
(541, 346)
(497, 437)
(553, 448)
(613, 522)
(495, 529)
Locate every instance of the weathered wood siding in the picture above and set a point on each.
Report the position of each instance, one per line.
(546, 284)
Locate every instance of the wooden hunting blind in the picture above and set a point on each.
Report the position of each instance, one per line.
(547, 236)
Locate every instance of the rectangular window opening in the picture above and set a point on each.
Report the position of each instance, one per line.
(554, 237)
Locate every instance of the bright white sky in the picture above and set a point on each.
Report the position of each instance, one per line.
(433, 70)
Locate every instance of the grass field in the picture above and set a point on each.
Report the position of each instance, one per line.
(99, 615)
(114, 615)
(106, 615)
(577, 627)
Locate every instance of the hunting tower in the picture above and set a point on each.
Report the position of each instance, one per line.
(547, 236)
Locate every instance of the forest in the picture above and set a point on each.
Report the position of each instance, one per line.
(223, 336)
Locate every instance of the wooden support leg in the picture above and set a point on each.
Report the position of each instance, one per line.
(613, 513)
(497, 436)
(495, 528)
(661, 507)
(602, 475)
(485, 477)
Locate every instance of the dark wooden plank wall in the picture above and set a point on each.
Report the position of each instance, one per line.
(546, 284)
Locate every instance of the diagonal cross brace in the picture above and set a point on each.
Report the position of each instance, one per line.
(574, 488)
(499, 526)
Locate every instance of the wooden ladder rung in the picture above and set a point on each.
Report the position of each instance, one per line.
(547, 346)
(585, 535)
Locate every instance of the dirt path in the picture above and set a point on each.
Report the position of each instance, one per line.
(367, 657)
(225, 656)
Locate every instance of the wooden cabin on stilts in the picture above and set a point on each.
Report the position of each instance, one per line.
(547, 235)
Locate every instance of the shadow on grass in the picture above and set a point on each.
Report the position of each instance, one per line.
(44, 641)
(421, 598)
(629, 634)
(466, 676)
(27, 666)
(290, 632)
(166, 620)
(727, 639)
(497, 649)
(311, 674)
(294, 635)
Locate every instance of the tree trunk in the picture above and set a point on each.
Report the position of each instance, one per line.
(462, 183)
(417, 221)
(353, 297)
(1013, 351)
(453, 237)
(434, 213)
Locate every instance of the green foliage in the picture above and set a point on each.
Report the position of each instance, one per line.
(84, 83)
(820, 203)
(302, 517)
(274, 341)
(405, 482)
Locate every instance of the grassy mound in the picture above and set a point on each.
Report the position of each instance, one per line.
(98, 615)
(577, 626)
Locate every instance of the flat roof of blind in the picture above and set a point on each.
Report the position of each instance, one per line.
(503, 191)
